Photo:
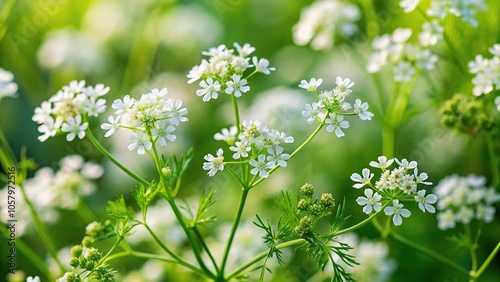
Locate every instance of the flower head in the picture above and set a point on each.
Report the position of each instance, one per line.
(214, 163)
(371, 201)
(260, 166)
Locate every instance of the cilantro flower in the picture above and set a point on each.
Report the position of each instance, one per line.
(312, 85)
(74, 127)
(141, 142)
(260, 166)
(237, 86)
(262, 65)
(8, 87)
(382, 163)
(424, 202)
(227, 135)
(336, 123)
(241, 149)
(214, 164)
(277, 157)
(398, 212)
(362, 110)
(210, 89)
(367, 176)
(371, 201)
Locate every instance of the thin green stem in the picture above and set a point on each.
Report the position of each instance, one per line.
(428, 252)
(471, 247)
(161, 244)
(179, 217)
(42, 230)
(205, 247)
(236, 113)
(487, 262)
(262, 255)
(112, 159)
(236, 222)
(362, 223)
(493, 161)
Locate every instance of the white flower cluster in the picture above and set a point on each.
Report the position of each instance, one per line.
(464, 9)
(462, 199)
(152, 118)
(394, 185)
(8, 87)
(332, 107)
(487, 72)
(320, 22)
(405, 57)
(224, 70)
(68, 108)
(256, 144)
(375, 265)
(62, 189)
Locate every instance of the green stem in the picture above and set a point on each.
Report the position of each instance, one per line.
(471, 247)
(493, 161)
(205, 247)
(4, 14)
(429, 252)
(262, 255)
(112, 159)
(362, 223)
(161, 244)
(7, 158)
(487, 262)
(179, 217)
(236, 114)
(236, 222)
(42, 231)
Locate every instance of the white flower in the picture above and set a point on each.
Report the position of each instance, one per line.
(260, 166)
(112, 126)
(141, 141)
(343, 87)
(464, 215)
(162, 132)
(123, 106)
(485, 213)
(446, 220)
(406, 165)
(276, 156)
(33, 279)
(94, 108)
(196, 73)
(244, 51)
(495, 50)
(312, 85)
(311, 112)
(362, 110)
(367, 176)
(424, 202)
(210, 89)
(7, 86)
(214, 51)
(409, 5)
(49, 128)
(398, 211)
(382, 163)
(175, 112)
(401, 35)
(241, 149)
(43, 112)
(404, 71)
(227, 135)
(74, 127)
(336, 123)
(371, 201)
(238, 86)
(262, 65)
(97, 91)
(75, 86)
(420, 178)
(426, 60)
(431, 33)
(214, 164)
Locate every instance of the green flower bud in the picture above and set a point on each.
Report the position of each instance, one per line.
(166, 171)
(302, 205)
(316, 210)
(307, 190)
(327, 200)
(74, 262)
(76, 251)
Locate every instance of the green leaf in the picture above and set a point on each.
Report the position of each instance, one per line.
(118, 209)
(143, 195)
(288, 207)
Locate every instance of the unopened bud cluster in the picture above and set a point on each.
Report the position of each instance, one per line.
(311, 211)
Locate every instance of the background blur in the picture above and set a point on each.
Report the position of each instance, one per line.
(133, 46)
